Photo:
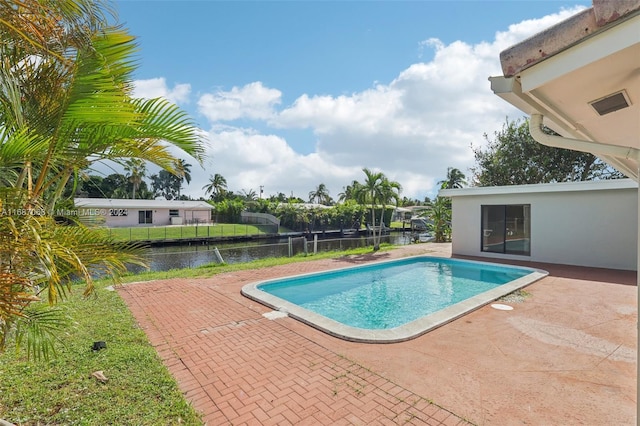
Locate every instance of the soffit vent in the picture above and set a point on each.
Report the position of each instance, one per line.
(611, 103)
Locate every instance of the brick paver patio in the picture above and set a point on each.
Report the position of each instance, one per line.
(236, 366)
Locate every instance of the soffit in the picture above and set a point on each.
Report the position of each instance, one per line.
(562, 86)
(565, 85)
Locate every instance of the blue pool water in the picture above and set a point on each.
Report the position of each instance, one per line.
(390, 294)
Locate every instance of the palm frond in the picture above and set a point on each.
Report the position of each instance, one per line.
(65, 103)
(51, 255)
(99, 89)
(19, 145)
(51, 26)
(37, 330)
(166, 121)
(16, 293)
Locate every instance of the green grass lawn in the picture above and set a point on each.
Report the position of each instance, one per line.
(183, 232)
(140, 390)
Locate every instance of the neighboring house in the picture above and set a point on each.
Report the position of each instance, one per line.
(407, 213)
(401, 214)
(574, 223)
(113, 213)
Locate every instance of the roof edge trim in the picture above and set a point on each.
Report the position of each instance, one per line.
(566, 34)
(599, 185)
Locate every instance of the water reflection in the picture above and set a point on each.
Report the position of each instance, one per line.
(190, 256)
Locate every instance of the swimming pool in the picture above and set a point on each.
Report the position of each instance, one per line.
(390, 301)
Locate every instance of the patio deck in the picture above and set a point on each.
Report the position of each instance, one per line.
(565, 355)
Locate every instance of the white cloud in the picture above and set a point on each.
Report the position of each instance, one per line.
(416, 126)
(362, 111)
(411, 128)
(248, 160)
(157, 87)
(250, 101)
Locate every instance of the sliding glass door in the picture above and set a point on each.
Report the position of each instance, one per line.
(506, 229)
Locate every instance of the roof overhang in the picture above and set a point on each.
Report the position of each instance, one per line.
(556, 187)
(562, 71)
(107, 203)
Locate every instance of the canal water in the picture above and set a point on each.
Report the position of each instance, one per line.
(194, 255)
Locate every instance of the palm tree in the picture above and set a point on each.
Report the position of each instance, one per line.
(184, 173)
(119, 193)
(440, 216)
(249, 195)
(293, 216)
(455, 179)
(320, 195)
(349, 191)
(217, 186)
(367, 193)
(65, 104)
(184, 169)
(389, 193)
(61, 116)
(137, 172)
(376, 190)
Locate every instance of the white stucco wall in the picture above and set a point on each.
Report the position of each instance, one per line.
(98, 210)
(582, 223)
(159, 216)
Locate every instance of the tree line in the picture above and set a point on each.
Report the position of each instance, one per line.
(513, 157)
(132, 184)
(371, 203)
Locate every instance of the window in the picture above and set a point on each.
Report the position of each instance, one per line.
(506, 229)
(174, 213)
(145, 216)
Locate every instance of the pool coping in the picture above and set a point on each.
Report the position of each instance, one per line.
(402, 333)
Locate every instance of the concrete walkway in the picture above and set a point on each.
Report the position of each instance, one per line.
(564, 355)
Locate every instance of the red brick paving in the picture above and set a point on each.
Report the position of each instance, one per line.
(237, 367)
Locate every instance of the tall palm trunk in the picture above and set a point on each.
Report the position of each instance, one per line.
(376, 242)
(380, 227)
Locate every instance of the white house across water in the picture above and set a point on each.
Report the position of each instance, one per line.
(113, 212)
(591, 223)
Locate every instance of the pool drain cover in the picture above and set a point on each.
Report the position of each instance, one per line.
(501, 307)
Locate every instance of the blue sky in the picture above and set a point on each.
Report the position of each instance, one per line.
(292, 94)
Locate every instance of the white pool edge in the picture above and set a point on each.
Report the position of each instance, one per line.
(402, 333)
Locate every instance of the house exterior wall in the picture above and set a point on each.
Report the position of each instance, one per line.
(125, 212)
(160, 217)
(596, 228)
